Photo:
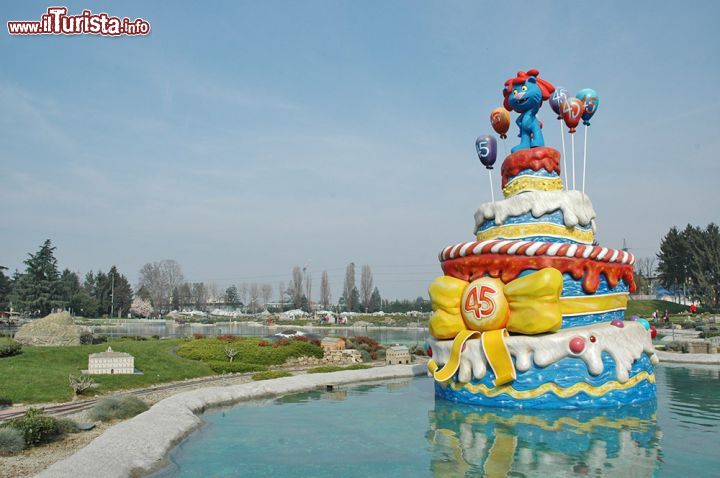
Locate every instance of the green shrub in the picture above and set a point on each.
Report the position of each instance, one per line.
(117, 406)
(5, 402)
(11, 440)
(271, 374)
(358, 366)
(335, 368)
(8, 349)
(67, 426)
(235, 367)
(249, 350)
(36, 427)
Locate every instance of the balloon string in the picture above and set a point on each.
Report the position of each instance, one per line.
(584, 159)
(565, 169)
(572, 141)
(492, 193)
(505, 147)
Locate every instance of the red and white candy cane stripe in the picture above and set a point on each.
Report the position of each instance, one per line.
(536, 248)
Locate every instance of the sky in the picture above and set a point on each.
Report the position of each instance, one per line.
(243, 138)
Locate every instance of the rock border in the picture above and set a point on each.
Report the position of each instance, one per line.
(681, 358)
(139, 446)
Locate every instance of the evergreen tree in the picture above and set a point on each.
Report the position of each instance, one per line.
(37, 291)
(122, 293)
(231, 295)
(673, 260)
(5, 285)
(375, 301)
(354, 303)
(704, 263)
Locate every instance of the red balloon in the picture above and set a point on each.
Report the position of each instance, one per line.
(500, 121)
(572, 111)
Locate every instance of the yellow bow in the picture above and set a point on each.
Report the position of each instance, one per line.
(528, 305)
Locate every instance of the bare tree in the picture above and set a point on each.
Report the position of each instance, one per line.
(296, 287)
(243, 293)
(81, 383)
(645, 269)
(159, 279)
(281, 294)
(213, 291)
(200, 295)
(254, 295)
(308, 286)
(266, 292)
(349, 285)
(366, 286)
(325, 297)
(230, 352)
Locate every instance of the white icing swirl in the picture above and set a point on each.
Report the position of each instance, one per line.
(575, 206)
(625, 345)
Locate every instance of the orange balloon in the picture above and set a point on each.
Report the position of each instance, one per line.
(500, 121)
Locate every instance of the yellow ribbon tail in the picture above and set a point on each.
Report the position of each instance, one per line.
(432, 366)
(498, 356)
(449, 369)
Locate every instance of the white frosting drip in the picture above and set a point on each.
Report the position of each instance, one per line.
(575, 206)
(625, 345)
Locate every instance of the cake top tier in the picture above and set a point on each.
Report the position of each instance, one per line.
(536, 169)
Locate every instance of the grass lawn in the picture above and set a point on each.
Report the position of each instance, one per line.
(40, 374)
(645, 308)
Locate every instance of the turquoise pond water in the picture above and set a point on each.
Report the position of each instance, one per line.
(398, 429)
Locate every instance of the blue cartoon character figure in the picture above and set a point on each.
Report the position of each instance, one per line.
(525, 94)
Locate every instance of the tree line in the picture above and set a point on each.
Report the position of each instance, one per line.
(689, 263)
(42, 288)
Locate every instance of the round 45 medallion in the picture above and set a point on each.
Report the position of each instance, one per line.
(484, 306)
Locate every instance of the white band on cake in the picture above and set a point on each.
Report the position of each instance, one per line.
(575, 206)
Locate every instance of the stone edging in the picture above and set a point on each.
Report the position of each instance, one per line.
(676, 357)
(140, 445)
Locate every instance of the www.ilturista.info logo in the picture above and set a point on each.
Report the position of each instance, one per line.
(57, 22)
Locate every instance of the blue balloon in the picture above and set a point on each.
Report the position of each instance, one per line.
(557, 99)
(486, 147)
(591, 101)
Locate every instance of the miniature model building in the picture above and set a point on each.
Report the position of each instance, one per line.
(397, 354)
(332, 343)
(111, 362)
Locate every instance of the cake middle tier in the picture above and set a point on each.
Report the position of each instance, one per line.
(596, 280)
(551, 216)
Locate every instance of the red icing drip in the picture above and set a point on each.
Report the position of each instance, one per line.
(534, 158)
(507, 268)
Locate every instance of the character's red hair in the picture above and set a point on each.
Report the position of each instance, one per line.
(545, 86)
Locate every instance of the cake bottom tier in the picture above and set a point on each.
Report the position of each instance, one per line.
(563, 385)
(595, 366)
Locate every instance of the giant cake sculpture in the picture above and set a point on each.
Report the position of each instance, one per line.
(530, 314)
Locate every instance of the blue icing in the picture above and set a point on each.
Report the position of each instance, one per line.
(542, 172)
(580, 320)
(565, 372)
(573, 287)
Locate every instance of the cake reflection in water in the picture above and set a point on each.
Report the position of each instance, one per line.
(467, 440)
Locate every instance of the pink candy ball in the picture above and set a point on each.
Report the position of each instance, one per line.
(617, 323)
(577, 345)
